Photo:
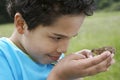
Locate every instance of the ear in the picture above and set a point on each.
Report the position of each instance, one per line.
(19, 23)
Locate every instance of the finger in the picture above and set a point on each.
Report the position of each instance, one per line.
(90, 55)
(113, 60)
(110, 60)
(101, 67)
(88, 62)
(75, 57)
(85, 52)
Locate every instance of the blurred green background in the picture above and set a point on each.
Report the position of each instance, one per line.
(101, 29)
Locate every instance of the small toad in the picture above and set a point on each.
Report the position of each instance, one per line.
(98, 51)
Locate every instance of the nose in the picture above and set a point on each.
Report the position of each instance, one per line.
(63, 46)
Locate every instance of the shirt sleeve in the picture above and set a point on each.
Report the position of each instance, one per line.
(5, 72)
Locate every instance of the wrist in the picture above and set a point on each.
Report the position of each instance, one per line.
(55, 76)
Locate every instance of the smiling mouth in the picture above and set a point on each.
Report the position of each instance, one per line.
(54, 58)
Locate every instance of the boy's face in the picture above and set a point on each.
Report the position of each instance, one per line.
(45, 44)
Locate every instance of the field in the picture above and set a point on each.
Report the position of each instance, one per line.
(101, 29)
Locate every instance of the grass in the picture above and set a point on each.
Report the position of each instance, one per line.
(99, 30)
(6, 30)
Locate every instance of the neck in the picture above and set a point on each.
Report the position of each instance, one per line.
(16, 39)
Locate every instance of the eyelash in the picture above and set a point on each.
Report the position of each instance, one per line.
(56, 38)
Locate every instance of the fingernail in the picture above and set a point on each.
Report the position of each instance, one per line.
(90, 56)
(108, 53)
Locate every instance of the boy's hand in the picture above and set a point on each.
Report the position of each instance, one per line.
(87, 53)
(77, 65)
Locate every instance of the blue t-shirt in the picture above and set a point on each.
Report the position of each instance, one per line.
(16, 65)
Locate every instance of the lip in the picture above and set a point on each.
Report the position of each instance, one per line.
(55, 58)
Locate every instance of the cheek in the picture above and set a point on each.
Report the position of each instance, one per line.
(43, 46)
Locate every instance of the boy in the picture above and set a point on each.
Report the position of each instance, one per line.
(42, 32)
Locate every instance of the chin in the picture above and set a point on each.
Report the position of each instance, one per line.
(52, 62)
(48, 62)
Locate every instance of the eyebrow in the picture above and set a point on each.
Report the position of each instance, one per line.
(64, 35)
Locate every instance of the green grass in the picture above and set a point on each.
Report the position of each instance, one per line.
(101, 29)
(6, 30)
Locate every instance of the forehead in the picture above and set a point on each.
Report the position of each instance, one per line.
(65, 25)
(71, 19)
(68, 23)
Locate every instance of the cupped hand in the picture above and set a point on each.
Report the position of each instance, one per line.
(78, 65)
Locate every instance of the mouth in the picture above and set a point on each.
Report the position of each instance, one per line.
(54, 58)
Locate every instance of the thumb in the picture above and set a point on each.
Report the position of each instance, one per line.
(75, 56)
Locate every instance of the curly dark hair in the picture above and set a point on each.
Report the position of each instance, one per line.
(45, 12)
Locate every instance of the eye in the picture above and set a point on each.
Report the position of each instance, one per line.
(56, 38)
